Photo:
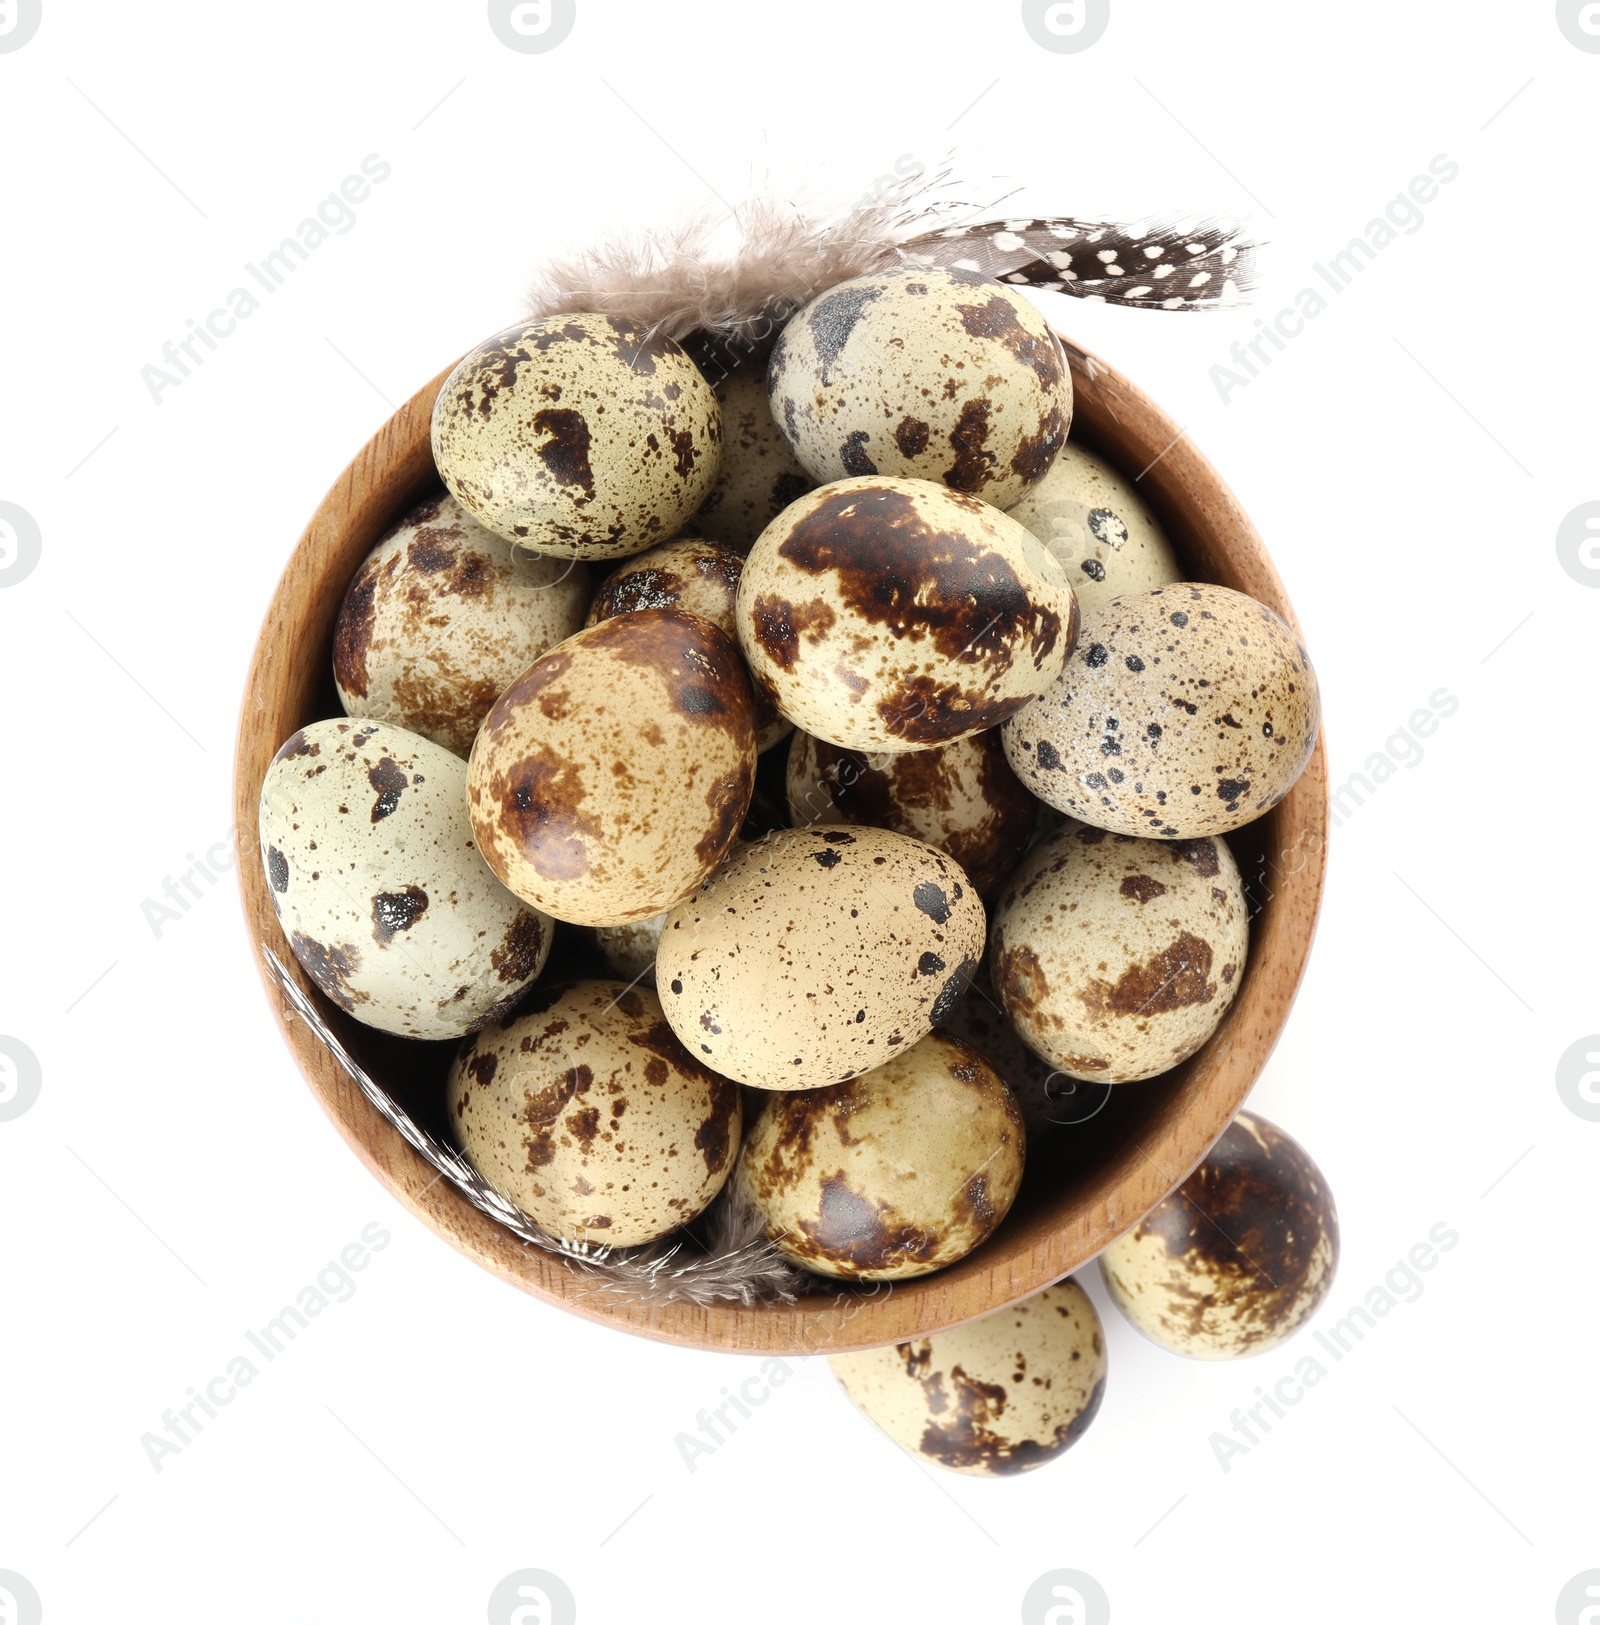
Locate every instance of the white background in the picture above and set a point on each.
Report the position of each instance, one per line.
(1408, 459)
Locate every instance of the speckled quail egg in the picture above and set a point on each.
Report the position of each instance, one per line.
(759, 476)
(587, 437)
(815, 955)
(629, 951)
(962, 798)
(612, 776)
(891, 614)
(1098, 527)
(1115, 957)
(1188, 710)
(442, 616)
(891, 1175)
(585, 1111)
(379, 888)
(701, 577)
(1048, 1098)
(999, 1395)
(933, 374)
(1239, 1257)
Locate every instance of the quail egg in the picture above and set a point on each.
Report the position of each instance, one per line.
(759, 476)
(891, 1175)
(1002, 1394)
(610, 778)
(932, 374)
(701, 577)
(1239, 1257)
(1048, 1098)
(892, 615)
(1098, 528)
(442, 616)
(629, 951)
(1115, 957)
(586, 437)
(586, 1113)
(815, 955)
(1189, 710)
(379, 887)
(962, 798)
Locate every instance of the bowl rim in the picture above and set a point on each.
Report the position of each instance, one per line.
(1198, 511)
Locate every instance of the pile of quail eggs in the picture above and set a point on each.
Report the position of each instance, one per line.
(887, 772)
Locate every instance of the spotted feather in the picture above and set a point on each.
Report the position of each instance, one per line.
(1175, 265)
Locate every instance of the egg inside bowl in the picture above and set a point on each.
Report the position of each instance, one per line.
(1118, 1150)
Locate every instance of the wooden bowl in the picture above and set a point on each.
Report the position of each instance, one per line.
(1086, 1184)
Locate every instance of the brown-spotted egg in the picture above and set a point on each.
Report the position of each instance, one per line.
(759, 476)
(1001, 1394)
(1049, 1099)
(892, 1175)
(629, 950)
(815, 955)
(610, 778)
(1098, 527)
(441, 617)
(962, 798)
(584, 436)
(695, 575)
(890, 614)
(586, 1113)
(932, 374)
(1115, 957)
(1188, 710)
(1239, 1257)
(378, 885)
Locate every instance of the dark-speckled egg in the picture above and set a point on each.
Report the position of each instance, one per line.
(587, 1113)
(441, 617)
(588, 437)
(890, 614)
(759, 476)
(1115, 957)
(962, 798)
(891, 1175)
(1187, 710)
(932, 374)
(379, 888)
(1238, 1257)
(1098, 526)
(611, 777)
(1000, 1395)
(701, 577)
(1048, 1097)
(815, 955)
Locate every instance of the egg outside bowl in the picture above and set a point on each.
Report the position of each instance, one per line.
(1086, 1183)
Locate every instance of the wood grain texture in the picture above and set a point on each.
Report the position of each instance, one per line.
(1086, 1183)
